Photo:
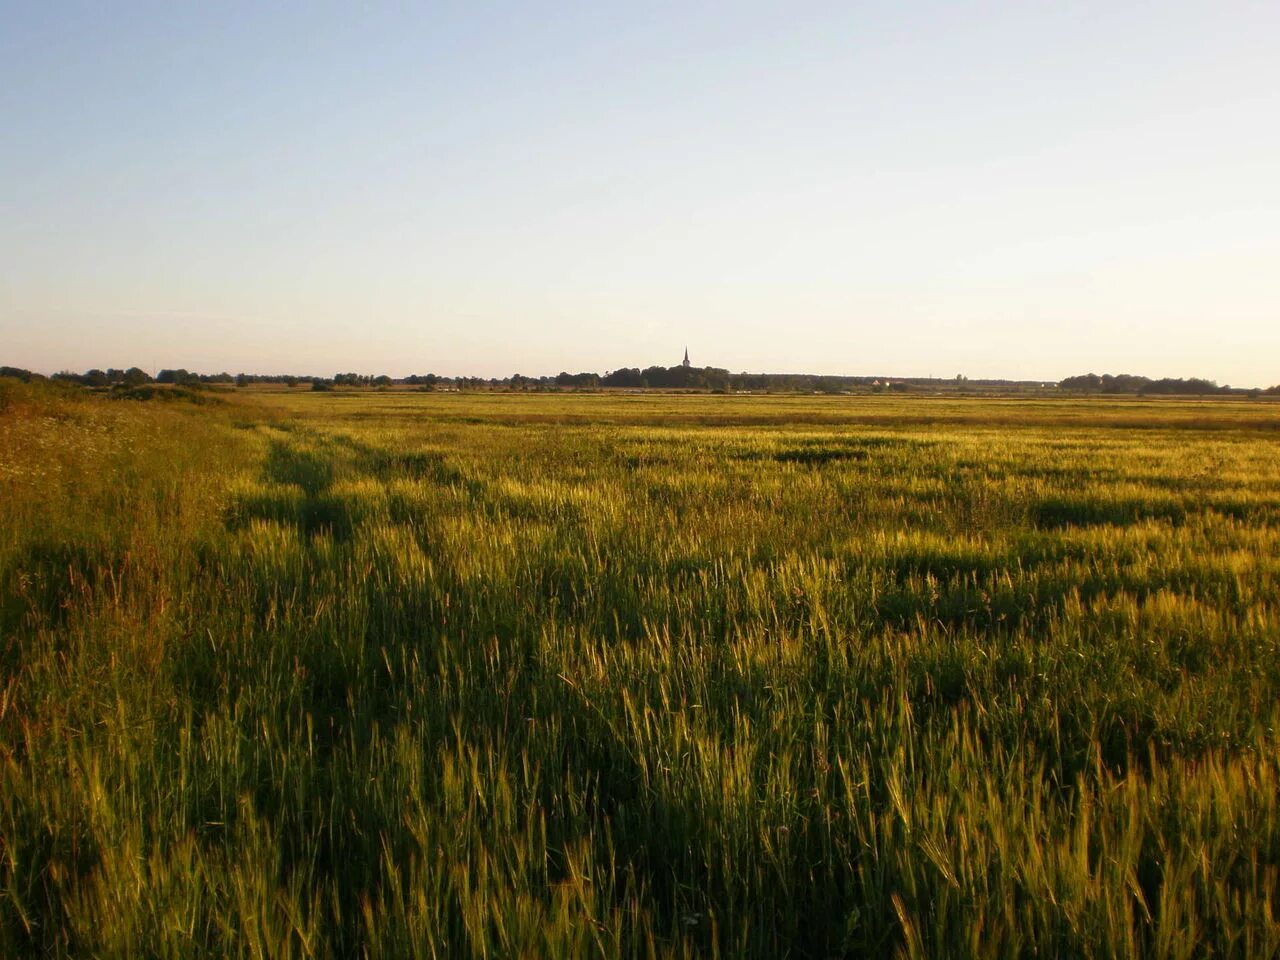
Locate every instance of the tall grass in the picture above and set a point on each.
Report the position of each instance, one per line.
(388, 675)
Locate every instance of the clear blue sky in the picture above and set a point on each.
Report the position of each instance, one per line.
(1016, 189)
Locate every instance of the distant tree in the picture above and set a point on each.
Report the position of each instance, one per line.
(1089, 382)
(714, 378)
(351, 380)
(179, 376)
(1128, 383)
(1107, 383)
(1123, 383)
(1193, 386)
(625, 377)
(135, 377)
(667, 377)
(578, 380)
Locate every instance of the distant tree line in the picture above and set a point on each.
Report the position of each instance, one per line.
(713, 379)
(133, 377)
(655, 377)
(682, 378)
(187, 379)
(1128, 383)
(17, 373)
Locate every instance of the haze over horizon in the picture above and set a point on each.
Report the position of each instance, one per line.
(485, 189)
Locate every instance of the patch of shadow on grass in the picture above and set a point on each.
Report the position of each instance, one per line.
(817, 456)
(818, 451)
(163, 394)
(302, 468)
(428, 465)
(431, 466)
(640, 461)
(42, 584)
(317, 511)
(1061, 513)
(322, 514)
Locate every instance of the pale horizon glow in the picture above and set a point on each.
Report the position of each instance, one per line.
(1022, 191)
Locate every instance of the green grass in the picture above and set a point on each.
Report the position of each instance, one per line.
(401, 674)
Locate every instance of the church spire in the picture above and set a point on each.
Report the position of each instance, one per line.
(686, 357)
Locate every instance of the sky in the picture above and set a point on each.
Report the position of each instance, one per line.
(1026, 189)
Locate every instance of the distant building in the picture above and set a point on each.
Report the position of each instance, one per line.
(686, 357)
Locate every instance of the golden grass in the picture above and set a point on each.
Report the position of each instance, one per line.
(417, 675)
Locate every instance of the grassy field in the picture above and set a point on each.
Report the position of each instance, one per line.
(396, 675)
